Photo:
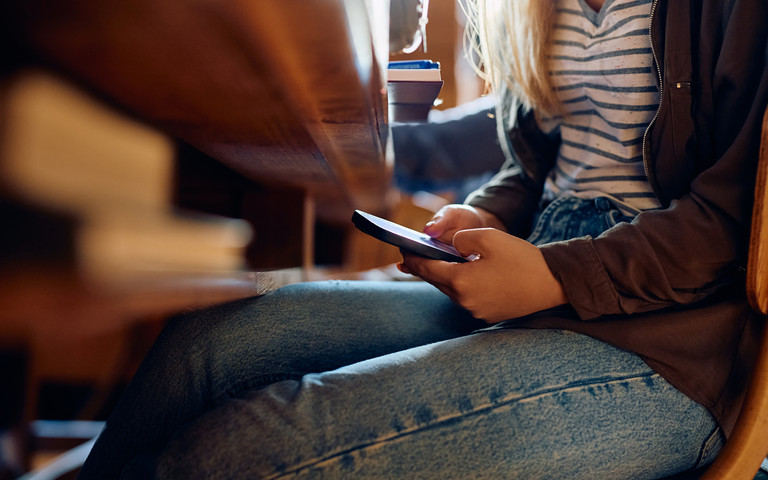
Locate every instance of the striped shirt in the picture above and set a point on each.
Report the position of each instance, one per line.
(600, 65)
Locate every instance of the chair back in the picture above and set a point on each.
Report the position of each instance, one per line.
(748, 444)
(757, 267)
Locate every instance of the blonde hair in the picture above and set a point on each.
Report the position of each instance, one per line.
(509, 40)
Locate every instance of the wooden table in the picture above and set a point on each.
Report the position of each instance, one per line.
(283, 91)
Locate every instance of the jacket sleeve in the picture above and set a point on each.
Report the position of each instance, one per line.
(455, 144)
(513, 194)
(698, 242)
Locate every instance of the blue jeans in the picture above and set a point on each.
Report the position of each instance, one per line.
(391, 380)
(570, 217)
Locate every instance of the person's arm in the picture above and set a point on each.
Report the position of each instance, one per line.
(514, 193)
(455, 144)
(510, 277)
(697, 244)
(672, 256)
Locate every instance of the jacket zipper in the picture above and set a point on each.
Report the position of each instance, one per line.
(658, 109)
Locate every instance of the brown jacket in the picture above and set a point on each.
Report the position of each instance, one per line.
(670, 285)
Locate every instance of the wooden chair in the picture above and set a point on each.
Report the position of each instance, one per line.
(748, 444)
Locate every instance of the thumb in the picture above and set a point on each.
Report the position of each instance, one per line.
(472, 241)
(435, 227)
(441, 228)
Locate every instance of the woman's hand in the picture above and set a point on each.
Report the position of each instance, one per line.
(508, 280)
(452, 218)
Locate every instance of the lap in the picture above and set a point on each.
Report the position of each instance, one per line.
(312, 327)
(392, 380)
(498, 404)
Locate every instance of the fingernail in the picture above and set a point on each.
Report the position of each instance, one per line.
(429, 225)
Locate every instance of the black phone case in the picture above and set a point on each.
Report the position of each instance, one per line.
(405, 238)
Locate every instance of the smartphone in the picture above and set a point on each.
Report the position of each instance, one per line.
(405, 238)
